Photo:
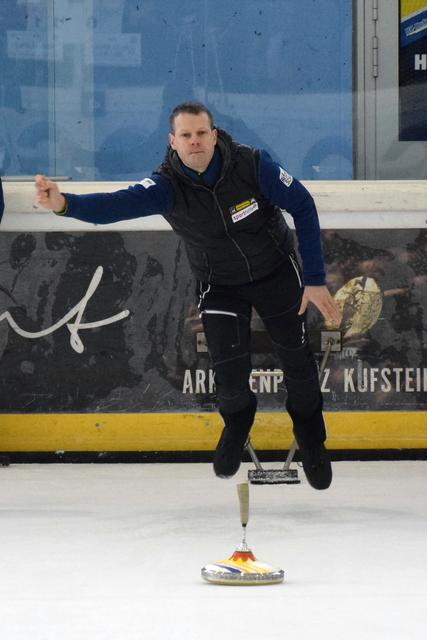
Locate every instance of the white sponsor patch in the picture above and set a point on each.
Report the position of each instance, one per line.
(147, 183)
(285, 177)
(243, 209)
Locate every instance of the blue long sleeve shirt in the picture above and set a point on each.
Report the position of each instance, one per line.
(154, 195)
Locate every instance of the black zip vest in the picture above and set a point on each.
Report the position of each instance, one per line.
(232, 235)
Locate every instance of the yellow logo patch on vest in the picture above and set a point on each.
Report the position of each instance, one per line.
(243, 209)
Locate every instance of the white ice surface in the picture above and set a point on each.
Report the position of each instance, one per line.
(115, 551)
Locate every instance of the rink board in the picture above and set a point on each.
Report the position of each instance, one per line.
(199, 432)
(102, 348)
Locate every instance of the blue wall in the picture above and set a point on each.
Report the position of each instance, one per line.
(86, 87)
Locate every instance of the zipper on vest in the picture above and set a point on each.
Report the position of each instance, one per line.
(236, 244)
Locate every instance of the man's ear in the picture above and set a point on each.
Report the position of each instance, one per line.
(215, 131)
(171, 138)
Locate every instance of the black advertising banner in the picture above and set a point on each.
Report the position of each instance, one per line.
(107, 322)
(413, 70)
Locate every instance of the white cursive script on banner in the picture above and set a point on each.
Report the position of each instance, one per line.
(77, 311)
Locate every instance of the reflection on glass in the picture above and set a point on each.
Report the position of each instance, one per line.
(87, 86)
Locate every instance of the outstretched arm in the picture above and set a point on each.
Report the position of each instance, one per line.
(150, 196)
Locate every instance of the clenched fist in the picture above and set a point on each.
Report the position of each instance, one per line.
(48, 194)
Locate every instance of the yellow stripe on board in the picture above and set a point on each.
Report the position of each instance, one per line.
(200, 431)
(408, 7)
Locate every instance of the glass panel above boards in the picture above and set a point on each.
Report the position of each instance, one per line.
(87, 86)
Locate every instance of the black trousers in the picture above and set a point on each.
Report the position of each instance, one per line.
(226, 315)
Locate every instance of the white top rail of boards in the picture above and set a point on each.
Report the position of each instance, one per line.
(342, 204)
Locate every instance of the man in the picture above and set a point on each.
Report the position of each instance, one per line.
(224, 200)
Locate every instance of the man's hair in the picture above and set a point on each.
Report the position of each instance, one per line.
(189, 107)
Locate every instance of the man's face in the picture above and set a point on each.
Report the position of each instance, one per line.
(193, 140)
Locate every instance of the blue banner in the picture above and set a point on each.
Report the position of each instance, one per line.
(413, 70)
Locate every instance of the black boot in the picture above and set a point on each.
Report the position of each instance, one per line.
(317, 466)
(229, 450)
(310, 432)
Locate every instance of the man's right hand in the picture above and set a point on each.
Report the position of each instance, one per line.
(48, 194)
